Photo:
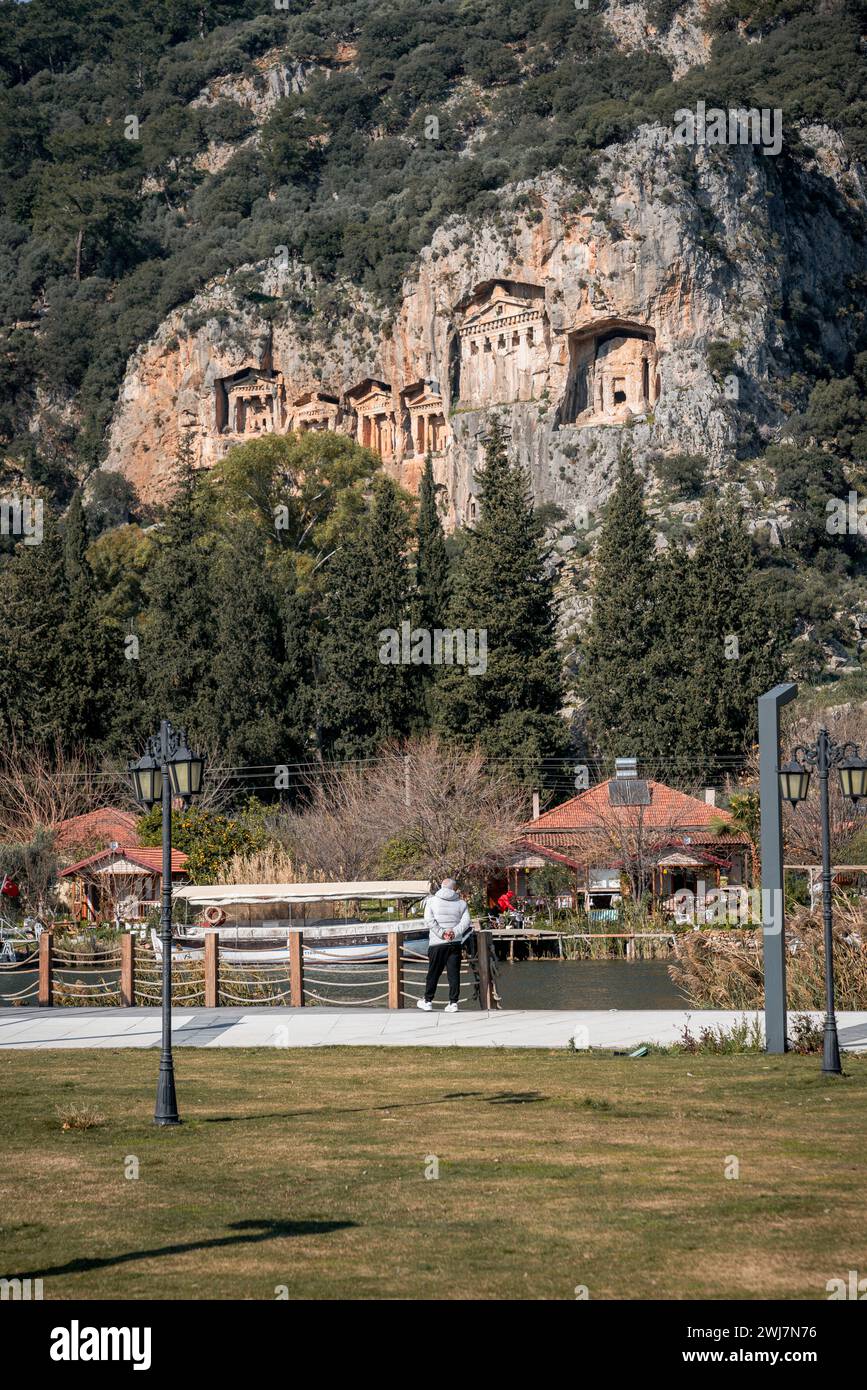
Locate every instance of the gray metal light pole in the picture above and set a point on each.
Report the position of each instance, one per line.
(825, 760)
(824, 755)
(166, 1112)
(167, 769)
(771, 846)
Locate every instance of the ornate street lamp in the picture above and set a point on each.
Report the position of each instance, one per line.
(167, 768)
(824, 755)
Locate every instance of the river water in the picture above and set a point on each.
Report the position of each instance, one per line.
(532, 984)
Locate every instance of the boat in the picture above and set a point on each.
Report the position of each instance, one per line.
(190, 948)
(347, 940)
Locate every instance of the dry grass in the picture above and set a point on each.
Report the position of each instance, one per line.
(725, 972)
(79, 1117)
(306, 1168)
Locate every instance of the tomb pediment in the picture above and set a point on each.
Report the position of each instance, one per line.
(370, 395)
(251, 380)
(421, 397)
(505, 311)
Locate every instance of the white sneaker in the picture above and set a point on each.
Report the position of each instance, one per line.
(423, 1004)
(451, 1009)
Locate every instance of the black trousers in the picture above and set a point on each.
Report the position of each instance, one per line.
(446, 957)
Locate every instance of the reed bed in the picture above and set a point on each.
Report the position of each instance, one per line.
(724, 970)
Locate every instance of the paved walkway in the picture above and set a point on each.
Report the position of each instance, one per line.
(320, 1027)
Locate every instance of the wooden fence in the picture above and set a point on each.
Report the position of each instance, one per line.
(396, 966)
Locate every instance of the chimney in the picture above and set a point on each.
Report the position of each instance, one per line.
(710, 796)
(535, 805)
(625, 767)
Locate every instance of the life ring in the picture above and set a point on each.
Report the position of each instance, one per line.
(214, 916)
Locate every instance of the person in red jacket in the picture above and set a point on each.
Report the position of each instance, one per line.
(506, 901)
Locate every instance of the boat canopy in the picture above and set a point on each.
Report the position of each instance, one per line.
(230, 894)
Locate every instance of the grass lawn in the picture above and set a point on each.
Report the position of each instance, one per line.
(306, 1168)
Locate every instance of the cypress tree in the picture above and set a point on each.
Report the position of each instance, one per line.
(32, 651)
(92, 671)
(178, 626)
(623, 635)
(433, 586)
(259, 704)
(511, 702)
(365, 698)
(730, 644)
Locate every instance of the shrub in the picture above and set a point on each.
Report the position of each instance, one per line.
(720, 357)
(682, 474)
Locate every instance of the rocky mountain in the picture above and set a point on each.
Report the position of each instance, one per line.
(586, 321)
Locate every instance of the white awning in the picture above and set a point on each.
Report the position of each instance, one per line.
(227, 894)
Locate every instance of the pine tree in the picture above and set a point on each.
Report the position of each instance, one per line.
(363, 700)
(503, 588)
(623, 635)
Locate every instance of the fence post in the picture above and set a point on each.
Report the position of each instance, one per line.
(296, 969)
(395, 969)
(212, 970)
(127, 970)
(483, 946)
(46, 981)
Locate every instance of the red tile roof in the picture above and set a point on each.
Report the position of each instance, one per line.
(592, 810)
(102, 827)
(535, 847)
(151, 860)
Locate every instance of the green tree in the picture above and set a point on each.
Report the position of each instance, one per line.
(290, 147)
(433, 583)
(87, 202)
(364, 700)
(92, 673)
(302, 490)
(207, 837)
(178, 626)
(260, 678)
(728, 645)
(34, 595)
(624, 628)
(509, 702)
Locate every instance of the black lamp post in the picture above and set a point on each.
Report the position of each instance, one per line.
(167, 769)
(824, 755)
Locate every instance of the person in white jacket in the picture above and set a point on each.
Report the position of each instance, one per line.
(447, 919)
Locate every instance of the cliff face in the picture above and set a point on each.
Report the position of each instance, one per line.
(586, 324)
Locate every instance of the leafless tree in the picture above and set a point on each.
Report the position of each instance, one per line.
(802, 823)
(627, 838)
(423, 810)
(42, 785)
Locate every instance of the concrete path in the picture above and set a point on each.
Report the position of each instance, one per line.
(320, 1027)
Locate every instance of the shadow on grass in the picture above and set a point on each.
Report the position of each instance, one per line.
(253, 1233)
(499, 1098)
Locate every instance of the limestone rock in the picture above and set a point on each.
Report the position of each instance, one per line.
(585, 328)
